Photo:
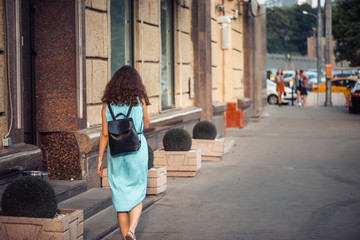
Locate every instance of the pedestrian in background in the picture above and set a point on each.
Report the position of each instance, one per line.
(127, 173)
(280, 85)
(303, 87)
(297, 85)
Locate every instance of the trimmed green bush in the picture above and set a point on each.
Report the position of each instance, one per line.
(151, 157)
(29, 197)
(204, 130)
(177, 139)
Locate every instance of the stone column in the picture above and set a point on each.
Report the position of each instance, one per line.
(248, 50)
(59, 83)
(56, 66)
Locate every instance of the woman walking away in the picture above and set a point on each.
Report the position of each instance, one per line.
(297, 85)
(303, 87)
(127, 172)
(280, 85)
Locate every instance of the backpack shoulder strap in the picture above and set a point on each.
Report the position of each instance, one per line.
(111, 112)
(129, 111)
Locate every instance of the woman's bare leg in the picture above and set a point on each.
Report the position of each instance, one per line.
(304, 99)
(279, 98)
(135, 214)
(124, 223)
(298, 96)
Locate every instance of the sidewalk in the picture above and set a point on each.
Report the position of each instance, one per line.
(292, 175)
(337, 99)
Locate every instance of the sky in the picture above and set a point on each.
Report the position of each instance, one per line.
(313, 3)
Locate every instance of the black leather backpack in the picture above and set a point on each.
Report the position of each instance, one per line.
(123, 137)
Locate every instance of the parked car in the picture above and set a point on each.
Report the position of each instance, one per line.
(314, 70)
(312, 76)
(270, 74)
(272, 95)
(288, 75)
(343, 85)
(354, 98)
(343, 74)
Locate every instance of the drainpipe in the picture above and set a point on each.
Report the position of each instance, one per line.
(142, 38)
(180, 54)
(255, 88)
(225, 45)
(7, 17)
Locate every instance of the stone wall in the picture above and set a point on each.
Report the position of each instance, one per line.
(184, 53)
(3, 85)
(147, 61)
(238, 56)
(96, 25)
(280, 61)
(216, 55)
(227, 65)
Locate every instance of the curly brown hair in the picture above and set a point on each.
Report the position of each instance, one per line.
(125, 87)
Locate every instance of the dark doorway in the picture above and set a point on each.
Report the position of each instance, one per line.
(28, 70)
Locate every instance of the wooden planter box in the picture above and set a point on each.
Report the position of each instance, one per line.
(178, 164)
(156, 181)
(211, 150)
(69, 227)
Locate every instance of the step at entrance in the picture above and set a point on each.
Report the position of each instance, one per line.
(65, 189)
(91, 201)
(105, 222)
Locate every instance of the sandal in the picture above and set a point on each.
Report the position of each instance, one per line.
(130, 236)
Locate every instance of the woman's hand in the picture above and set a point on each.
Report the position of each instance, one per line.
(103, 141)
(99, 169)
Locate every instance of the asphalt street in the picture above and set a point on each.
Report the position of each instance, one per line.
(294, 174)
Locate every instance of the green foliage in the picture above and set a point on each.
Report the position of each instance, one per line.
(288, 29)
(177, 139)
(204, 130)
(29, 197)
(151, 157)
(346, 30)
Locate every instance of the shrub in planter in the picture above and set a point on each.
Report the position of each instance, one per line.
(204, 130)
(151, 157)
(177, 139)
(177, 156)
(204, 134)
(29, 197)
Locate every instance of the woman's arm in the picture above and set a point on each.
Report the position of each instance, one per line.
(275, 79)
(104, 137)
(146, 118)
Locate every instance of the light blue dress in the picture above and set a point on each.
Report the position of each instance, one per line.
(127, 173)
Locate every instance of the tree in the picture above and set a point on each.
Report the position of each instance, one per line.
(346, 30)
(278, 28)
(288, 29)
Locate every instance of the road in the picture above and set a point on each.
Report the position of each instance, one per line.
(293, 175)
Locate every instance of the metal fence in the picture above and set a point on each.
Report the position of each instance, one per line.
(281, 61)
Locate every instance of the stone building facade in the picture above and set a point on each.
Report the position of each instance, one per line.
(57, 56)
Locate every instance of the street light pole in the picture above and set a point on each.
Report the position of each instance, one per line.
(318, 49)
(328, 51)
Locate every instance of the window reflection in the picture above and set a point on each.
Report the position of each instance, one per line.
(167, 82)
(121, 34)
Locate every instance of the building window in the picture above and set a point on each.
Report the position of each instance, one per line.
(167, 54)
(121, 15)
